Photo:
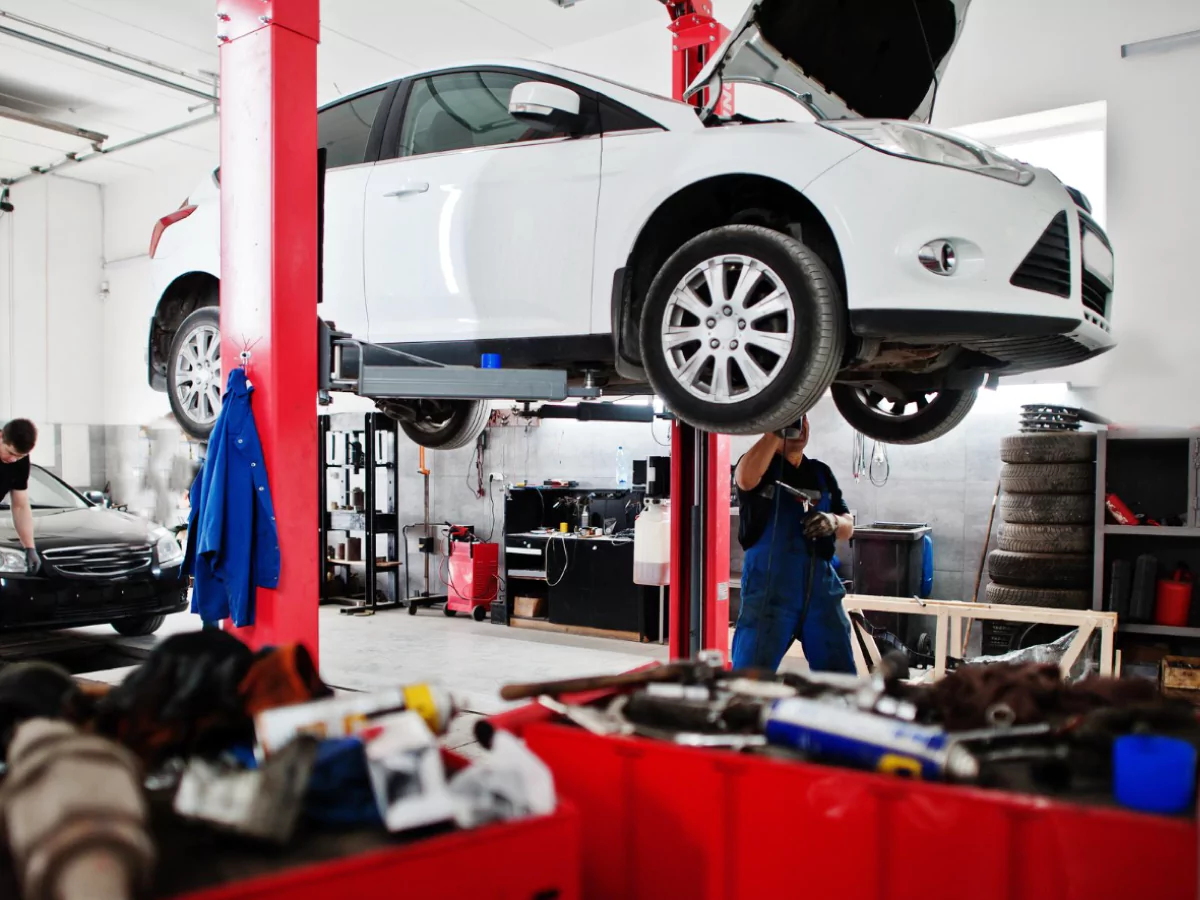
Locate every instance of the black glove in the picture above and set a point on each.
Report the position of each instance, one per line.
(33, 562)
(819, 524)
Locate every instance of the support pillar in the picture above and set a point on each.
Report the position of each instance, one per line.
(269, 276)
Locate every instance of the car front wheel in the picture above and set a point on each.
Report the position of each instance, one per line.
(194, 372)
(742, 330)
(911, 419)
(138, 627)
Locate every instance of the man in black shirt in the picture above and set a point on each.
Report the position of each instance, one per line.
(17, 440)
(790, 590)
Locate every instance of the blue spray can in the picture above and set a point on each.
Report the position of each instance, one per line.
(866, 740)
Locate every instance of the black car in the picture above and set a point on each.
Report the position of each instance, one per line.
(99, 565)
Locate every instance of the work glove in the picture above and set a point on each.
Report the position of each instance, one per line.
(819, 524)
(33, 562)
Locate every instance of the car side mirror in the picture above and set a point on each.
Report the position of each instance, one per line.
(96, 498)
(544, 106)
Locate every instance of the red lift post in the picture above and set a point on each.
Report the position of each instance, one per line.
(269, 276)
(699, 610)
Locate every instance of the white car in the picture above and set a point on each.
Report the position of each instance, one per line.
(738, 268)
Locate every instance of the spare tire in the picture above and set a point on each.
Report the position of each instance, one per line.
(1048, 448)
(1048, 478)
(1044, 597)
(1045, 538)
(1055, 509)
(1058, 570)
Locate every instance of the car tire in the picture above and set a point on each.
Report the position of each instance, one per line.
(793, 356)
(138, 627)
(1048, 478)
(1048, 598)
(1045, 538)
(1049, 570)
(1047, 509)
(196, 411)
(467, 421)
(864, 413)
(1048, 448)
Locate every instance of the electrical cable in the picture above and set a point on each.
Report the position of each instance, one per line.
(877, 469)
(566, 560)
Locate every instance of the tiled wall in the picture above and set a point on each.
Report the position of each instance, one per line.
(948, 483)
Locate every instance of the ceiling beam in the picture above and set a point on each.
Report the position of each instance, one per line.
(108, 64)
(93, 137)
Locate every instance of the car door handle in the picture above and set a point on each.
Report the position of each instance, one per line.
(409, 187)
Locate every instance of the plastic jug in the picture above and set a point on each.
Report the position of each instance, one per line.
(1174, 598)
(652, 544)
(622, 468)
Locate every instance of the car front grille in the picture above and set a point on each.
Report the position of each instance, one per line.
(1032, 354)
(100, 560)
(1047, 268)
(1096, 294)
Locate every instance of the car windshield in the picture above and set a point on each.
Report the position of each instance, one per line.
(47, 492)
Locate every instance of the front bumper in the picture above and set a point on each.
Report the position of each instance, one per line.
(883, 209)
(54, 602)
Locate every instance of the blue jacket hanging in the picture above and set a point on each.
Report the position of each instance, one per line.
(233, 546)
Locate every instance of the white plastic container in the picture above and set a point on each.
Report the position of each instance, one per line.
(623, 475)
(652, 544)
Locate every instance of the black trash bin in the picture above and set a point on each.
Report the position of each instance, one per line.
(888, 562)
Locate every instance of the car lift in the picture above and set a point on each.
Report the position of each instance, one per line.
(270, 248)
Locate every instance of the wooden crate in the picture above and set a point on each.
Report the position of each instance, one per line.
(1180, 673)
(529, 607)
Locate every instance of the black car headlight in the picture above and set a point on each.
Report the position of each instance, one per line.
(167, 549)
(12, 560)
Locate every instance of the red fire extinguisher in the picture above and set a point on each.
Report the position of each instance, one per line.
(1174, 599)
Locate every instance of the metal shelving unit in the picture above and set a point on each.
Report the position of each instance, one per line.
(1166, 467)
(363, 447)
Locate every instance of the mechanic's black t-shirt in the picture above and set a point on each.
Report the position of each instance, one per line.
(757, 506)
(14, 476)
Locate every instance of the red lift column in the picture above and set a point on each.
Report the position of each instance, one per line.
(699, 610)
(269, 276)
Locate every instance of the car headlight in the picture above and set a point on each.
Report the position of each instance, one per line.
(168, 549)
(926, 145)
(12, 560)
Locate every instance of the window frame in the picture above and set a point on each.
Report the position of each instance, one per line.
(390, 148)
(378, 126)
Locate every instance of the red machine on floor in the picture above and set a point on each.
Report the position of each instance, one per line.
(473, 579)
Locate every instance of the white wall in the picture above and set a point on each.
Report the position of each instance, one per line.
(51, 305)
(1023, 56)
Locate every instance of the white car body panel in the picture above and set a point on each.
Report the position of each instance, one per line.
(642, 170)
(493, 242)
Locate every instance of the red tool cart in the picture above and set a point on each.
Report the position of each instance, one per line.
(667, 821)
(527, 858)
(473, 582)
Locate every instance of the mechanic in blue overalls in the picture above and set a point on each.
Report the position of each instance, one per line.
(790, 590)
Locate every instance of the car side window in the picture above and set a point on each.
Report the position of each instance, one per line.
(463, 110)
(344, 128)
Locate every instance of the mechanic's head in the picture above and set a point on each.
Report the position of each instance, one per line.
(795, 437)
(17, 440)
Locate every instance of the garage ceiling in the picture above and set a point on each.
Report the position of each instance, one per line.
(362, 42)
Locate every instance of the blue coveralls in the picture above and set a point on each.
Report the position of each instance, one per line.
(773, 588)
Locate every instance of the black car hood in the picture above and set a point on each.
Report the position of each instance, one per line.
(844, 58)
(75, 527)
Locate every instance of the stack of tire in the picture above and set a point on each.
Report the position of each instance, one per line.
(1047, 511)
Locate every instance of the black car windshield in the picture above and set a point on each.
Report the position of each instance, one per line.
(47, 492)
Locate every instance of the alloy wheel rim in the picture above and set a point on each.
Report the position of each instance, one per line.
(728, 329)
(198, 374)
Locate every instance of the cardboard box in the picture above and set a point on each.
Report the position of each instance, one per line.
(529, 607)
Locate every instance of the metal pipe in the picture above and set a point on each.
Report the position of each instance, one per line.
(73, 159)
(105, 47)
(1161, 44)
(94, 137)
(108, 64)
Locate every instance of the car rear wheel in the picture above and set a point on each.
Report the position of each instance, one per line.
(911, 419)
(742, 330)
(194, 372)
(138, 627)
(440, 425)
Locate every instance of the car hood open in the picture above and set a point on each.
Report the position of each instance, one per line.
(876, 59)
